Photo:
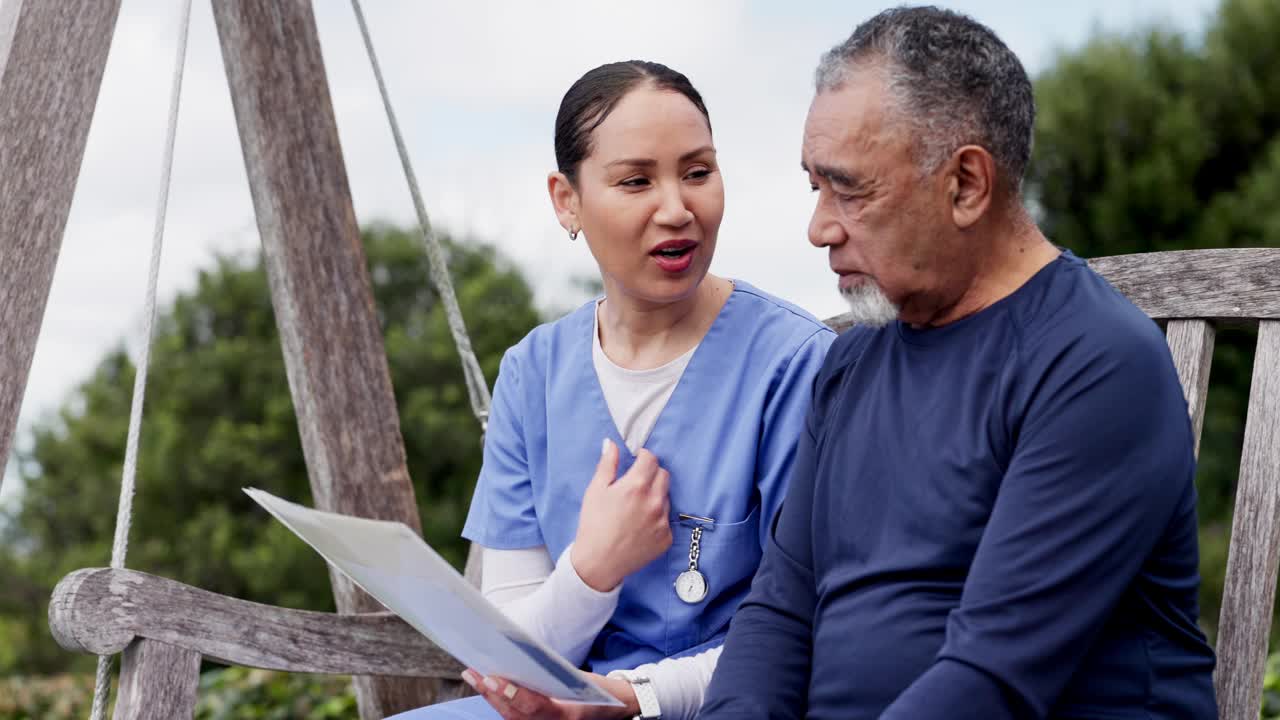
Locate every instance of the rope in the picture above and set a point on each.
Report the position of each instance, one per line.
(477, 387)
(124, 513)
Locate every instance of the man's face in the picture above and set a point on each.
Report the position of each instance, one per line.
(885, 225)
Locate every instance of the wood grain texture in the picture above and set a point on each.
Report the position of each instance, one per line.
(52, 55)
(472, 571)
(158, 681)
(1191, 344)
(103, 610)
(1249, 594)
(1237, 284)
(839, 323)
(320, 288)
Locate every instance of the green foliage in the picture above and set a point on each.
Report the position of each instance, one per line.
(57, 697)
(243, 694)
(1271, 690)
(1154, 141)
(225, 694)
(219, 417)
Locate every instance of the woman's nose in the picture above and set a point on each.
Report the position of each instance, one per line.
(673, 211)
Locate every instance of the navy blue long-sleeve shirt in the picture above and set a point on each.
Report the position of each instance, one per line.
(992, 519)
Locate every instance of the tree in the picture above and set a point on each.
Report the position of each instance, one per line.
(219, 417)
(1154, 141)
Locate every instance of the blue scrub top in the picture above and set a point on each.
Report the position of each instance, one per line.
(727, 436)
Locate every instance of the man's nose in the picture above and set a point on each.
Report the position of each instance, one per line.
(824, 231)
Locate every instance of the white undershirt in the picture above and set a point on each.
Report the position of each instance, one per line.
(635, 397)
(550, 601)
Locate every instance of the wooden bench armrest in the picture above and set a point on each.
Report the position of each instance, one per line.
(102, 610)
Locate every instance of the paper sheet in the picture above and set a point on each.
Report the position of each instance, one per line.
(391, 563)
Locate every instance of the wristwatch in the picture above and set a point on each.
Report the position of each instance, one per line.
(645, 695)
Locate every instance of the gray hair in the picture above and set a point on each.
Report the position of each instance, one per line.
(950, 78)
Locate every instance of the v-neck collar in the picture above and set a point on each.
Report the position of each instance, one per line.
(584, 341)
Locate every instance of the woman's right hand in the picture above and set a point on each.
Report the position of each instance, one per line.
(624, 522)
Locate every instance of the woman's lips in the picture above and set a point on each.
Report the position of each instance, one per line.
(674, 256)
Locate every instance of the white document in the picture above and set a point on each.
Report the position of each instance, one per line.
(404, 573)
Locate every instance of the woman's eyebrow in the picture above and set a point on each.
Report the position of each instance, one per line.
(694, 153)
(638, 162)
(650, 162)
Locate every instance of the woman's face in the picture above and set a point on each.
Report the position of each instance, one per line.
(649, 197)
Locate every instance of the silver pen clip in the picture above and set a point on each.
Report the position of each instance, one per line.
(705, 523)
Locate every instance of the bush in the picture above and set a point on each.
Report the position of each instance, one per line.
(46, 698)
(1271, 689)
(242, 694)
(225, 694)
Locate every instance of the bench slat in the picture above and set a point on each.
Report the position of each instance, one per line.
(1191, 343)
(474, 567)
(1249, 595)
(1236, 284)
(158, 681)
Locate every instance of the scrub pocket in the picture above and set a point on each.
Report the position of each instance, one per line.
(728, 556)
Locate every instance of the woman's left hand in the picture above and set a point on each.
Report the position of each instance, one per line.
(514, 702)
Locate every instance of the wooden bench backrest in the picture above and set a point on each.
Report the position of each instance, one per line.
(1194, 291)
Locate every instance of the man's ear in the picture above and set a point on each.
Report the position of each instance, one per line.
(971, 180)
(564, 198)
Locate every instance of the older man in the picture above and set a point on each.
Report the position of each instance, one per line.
(992, 513)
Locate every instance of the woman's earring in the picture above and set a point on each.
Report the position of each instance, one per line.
(573, 234)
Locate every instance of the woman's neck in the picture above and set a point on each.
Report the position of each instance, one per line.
(640, 335)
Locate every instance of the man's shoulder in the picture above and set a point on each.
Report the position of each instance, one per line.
(1087, 343)
(1078, 313)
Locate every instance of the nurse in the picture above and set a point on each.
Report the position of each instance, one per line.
(638, 447)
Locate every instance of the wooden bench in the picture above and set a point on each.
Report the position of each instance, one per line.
(164, 628)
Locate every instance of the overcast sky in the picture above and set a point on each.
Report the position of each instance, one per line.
(476, 85)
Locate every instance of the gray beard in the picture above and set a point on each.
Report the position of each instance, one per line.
(869, 306)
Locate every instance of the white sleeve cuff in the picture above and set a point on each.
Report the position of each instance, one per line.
(680, 683)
